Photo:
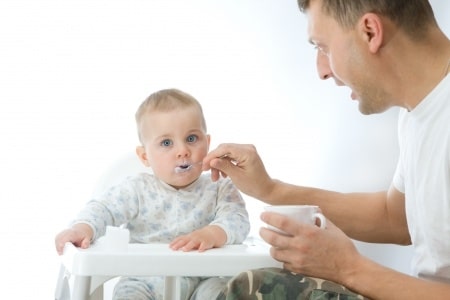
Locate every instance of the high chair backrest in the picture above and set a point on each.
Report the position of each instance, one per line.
(126, 165)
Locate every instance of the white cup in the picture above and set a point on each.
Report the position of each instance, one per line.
(116, 239)
(308, 214)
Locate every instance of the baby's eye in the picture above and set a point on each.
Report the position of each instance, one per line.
(192, 138)
(166, 143)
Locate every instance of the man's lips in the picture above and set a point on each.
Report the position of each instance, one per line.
(340, 83)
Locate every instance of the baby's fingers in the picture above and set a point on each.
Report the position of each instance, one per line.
(205, 246)
(85, 243)
(177, 243)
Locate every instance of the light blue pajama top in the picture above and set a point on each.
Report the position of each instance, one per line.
(155, 212)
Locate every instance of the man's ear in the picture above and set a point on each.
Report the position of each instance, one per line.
(370, 28)
(140, 151)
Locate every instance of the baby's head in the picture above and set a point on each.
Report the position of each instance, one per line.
(165, 101)
(172, 131)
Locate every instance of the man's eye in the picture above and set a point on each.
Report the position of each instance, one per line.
(166, 143)
(192, 138)
(321, 50)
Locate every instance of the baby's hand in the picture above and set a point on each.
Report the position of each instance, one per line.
(80, 235)
(202, 239)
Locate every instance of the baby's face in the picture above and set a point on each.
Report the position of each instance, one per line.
(175, 143)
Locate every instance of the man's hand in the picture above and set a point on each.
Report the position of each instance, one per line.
(243, 165)
(325, 253)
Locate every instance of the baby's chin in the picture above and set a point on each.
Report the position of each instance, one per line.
(184, 179)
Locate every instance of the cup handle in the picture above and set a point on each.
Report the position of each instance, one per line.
(322, 219)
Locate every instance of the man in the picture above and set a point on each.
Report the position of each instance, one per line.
(389, 53)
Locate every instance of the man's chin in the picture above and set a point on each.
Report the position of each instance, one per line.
(369, 110)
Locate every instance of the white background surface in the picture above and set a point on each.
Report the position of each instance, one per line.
(72, 74)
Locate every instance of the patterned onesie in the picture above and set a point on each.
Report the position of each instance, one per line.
(155, 212)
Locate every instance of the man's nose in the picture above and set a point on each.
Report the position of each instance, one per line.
(323, 66)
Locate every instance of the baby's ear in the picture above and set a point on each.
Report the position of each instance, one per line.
(208, 138)
(140, 151)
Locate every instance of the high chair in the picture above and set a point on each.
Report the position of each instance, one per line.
(84, 271)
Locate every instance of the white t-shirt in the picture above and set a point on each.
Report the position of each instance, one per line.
(423, 175)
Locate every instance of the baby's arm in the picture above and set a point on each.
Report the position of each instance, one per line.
(79, 234)
(208, 237)
(231, 214)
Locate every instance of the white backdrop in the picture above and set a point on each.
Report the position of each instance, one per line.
(72, 74)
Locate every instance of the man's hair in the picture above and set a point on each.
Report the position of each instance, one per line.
(164, 101)
(413, 16)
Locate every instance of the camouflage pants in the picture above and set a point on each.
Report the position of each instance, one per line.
(278, 284)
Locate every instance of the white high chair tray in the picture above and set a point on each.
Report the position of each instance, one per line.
(90, 268)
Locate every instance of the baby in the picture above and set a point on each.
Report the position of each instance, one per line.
(176, 204)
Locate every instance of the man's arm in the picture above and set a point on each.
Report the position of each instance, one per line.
(371, 217)
(377, 282)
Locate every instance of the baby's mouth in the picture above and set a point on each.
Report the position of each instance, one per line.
(183, 168)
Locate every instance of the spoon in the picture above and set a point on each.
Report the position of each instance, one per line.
(185, 168)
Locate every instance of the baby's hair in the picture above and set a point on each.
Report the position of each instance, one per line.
(164, 101)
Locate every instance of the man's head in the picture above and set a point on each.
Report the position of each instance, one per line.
(363, 44)
(413, 16)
